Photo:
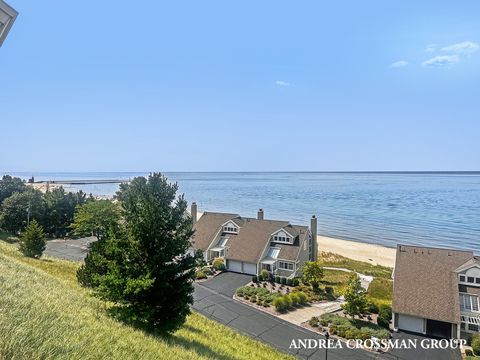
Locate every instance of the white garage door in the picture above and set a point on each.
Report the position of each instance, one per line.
(410, 323)
(234, 266)
(250, 268)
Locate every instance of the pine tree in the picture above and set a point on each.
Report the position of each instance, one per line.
(32, 240)
(144, 269)
(355, 297)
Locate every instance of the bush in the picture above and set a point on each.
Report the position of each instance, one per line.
(302, 298)
(277, 279)
(264, 275)
(329, 290)
(207, 270)
(287, 301)
(476, 344)
(384, 316)
(255, 278)
(279, 304)
(253, 299)
(283, 280)
(314, 321)
(294, 299)
(218, 264)
(32, 240)
(200, 275)
(373, 308)
(296, 282)
(289, 282)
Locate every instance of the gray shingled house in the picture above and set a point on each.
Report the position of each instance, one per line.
(249, 245)
(436, 291)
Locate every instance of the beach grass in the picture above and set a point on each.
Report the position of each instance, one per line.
(380, 291)
(329, 259)
(45, 314)
(337, 279)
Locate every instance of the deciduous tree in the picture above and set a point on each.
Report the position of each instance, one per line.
(312, 273)
(355, 297)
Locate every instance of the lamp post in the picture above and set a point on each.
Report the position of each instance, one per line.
(7, 17)
(327, 336)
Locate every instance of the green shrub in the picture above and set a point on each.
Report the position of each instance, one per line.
(313, 321)
(218, 264)
(277, 279)
(287, 301)
(253, 299)
(329, 290)
(264, 274)
(283, 280)
(294, 299)
(302, 298)
(373, 308)
(296, 282)
(255, 278)
(279, 304)
(476, 344)
(289, 282)
(384, 316)
(200, 275)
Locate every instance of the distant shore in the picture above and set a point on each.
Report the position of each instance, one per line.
(373, 254)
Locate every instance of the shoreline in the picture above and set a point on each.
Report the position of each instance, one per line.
(360, 251)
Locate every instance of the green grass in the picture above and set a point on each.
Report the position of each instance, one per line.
(337, 279)
(45, 314)
(334, 260)
(380, 291)
(5, 236)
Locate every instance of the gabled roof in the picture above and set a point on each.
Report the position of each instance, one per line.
(207, 227)
(425, 282)
(473, 262)
(252, 239)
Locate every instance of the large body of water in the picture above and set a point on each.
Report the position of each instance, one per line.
(430, 209)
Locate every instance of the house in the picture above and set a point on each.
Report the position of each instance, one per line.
(249, 245)
(436, 291)
(7, 17)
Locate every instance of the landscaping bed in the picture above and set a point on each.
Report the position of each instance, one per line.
(346, 328)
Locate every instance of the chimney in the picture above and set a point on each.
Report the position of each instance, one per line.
(260, 214)
(313, 229)
(193, 212)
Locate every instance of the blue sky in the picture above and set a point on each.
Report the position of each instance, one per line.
(247, 85)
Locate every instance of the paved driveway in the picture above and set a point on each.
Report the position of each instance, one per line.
(71, 249)
(213, 298)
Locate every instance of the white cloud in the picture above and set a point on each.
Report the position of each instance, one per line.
(282, 83)
(439, 61)
(466, 47)
(398, 64)
(431, 48)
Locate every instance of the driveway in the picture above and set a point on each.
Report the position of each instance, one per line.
(71, 249)
(219, 306)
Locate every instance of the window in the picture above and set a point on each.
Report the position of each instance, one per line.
(222, 241)
(470, 279)
(462, 278)
(473, 327)
(477, 280)
(462, 326)
(468, 302)
(273, 253)
(285, 265)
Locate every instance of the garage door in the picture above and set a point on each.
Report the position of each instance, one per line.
(410, 323)
(250, 268)
(439, 329)
(234, 266)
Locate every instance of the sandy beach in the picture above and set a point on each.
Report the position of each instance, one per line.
(373, 254)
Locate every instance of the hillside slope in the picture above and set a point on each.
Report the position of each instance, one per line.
(44, 314)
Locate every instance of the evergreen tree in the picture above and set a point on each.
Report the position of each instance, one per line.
(355, 297)
(143, 265)
(32, 240)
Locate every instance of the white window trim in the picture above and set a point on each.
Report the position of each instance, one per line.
(471, 296)
(275, 238)
(279, 262)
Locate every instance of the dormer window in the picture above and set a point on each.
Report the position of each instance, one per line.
(462, 278)
(230, 227)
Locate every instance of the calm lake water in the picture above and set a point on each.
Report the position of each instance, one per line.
(431, 209)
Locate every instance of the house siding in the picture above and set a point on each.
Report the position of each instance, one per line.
(303, 255)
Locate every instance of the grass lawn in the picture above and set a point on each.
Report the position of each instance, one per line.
(335, 260)
(380, 291)
(336, 279)
(45, 314)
